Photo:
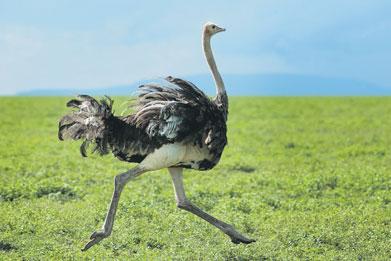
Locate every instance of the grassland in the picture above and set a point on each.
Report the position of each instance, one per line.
(309, 178)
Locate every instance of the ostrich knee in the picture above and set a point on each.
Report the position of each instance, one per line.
(184, 204)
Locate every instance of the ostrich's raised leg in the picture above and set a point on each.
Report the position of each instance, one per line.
(119, 183)
(183, 203)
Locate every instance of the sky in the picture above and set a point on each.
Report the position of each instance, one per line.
(92, 43)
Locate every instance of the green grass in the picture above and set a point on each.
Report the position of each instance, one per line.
(308, 178)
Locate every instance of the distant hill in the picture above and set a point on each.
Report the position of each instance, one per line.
(246, 85)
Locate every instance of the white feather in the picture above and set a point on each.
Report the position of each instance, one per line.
(170, 129)
(172, 154)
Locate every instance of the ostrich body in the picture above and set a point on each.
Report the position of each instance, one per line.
(174, 127)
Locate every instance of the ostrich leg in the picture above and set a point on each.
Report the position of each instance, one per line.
(119, 183)
(183, 203)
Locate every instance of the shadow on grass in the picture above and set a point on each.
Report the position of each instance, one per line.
(4, 246)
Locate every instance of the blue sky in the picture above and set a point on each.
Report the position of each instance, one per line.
(86, 44)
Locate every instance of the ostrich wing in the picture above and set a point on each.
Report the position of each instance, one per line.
(180, 112)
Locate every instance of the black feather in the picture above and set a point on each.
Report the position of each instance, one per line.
(88, 123)
(179, 112)
(83, 148)
(74, 103)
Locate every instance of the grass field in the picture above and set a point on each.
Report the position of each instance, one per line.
(308, 178)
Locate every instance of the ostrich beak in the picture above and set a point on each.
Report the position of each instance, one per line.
(221, 30)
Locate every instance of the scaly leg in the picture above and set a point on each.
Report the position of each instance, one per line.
(119, 183)
(183, 203)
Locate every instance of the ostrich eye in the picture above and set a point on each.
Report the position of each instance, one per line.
(213, 27)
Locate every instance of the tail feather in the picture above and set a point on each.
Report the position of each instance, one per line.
(88, 122)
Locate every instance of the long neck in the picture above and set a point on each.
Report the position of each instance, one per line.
(221, 97)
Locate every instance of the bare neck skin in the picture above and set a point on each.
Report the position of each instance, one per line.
(221, 98)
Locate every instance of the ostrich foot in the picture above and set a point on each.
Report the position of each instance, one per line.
(241, 239)
(236, 237)
(96, 237)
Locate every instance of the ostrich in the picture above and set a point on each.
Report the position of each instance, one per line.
(175, 127)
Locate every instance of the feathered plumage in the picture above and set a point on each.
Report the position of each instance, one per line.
(177, 113)
(180, 113)
(87, 123)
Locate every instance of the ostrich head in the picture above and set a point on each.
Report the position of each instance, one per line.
(211, 29)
